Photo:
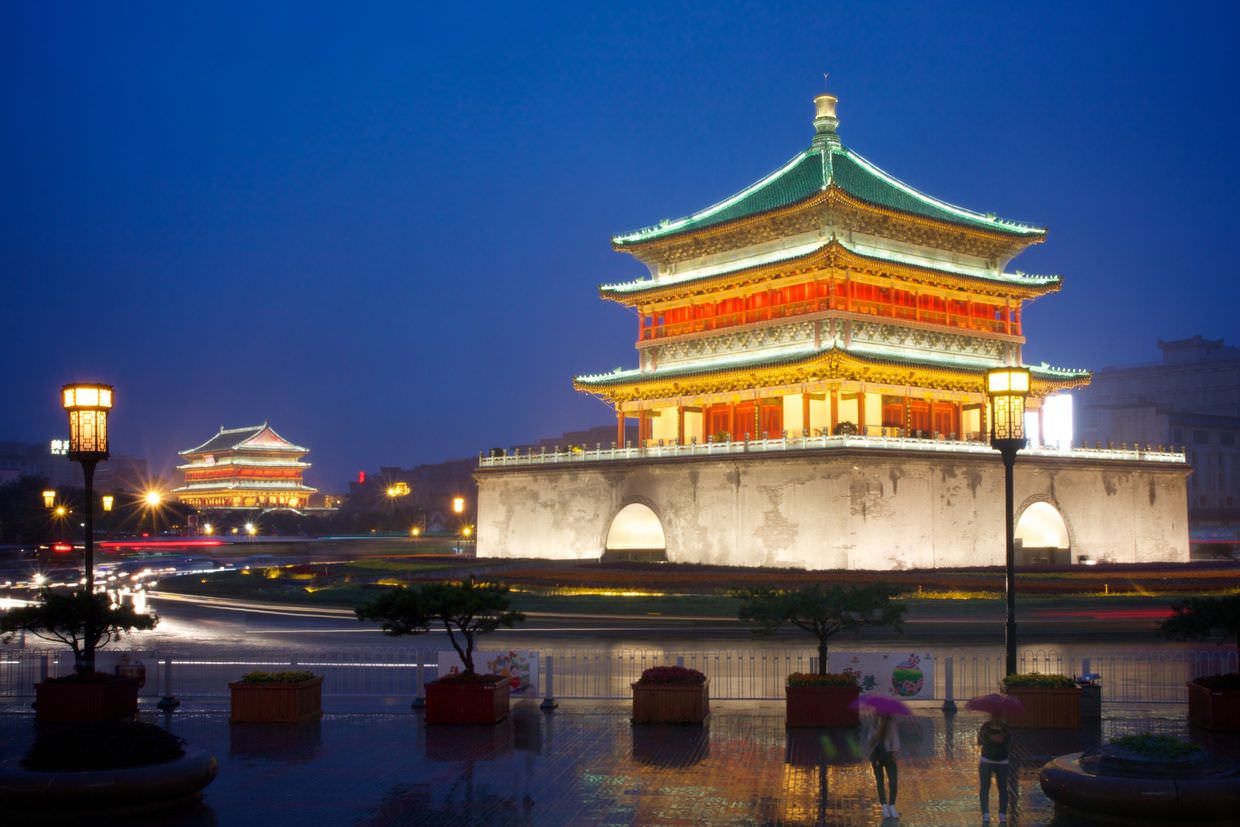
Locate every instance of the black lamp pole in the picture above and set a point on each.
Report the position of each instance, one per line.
(88, 406)
(1007, 389)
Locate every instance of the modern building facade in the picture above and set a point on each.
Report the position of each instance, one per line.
(809, 391)
(245, 468)
(1191, 399)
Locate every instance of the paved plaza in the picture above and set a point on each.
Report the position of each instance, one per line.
(585, 764)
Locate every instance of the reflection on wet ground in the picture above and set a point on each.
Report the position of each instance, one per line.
(586, 765)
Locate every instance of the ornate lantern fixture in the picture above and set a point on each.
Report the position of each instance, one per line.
(88, 405)
(1006, 389)
(49, 499)
(108, 501)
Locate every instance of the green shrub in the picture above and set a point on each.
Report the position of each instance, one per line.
(1157, 746)
(277, 677)
(830, 679)
(1038, 681)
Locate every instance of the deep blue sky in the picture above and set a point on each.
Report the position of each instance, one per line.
(382, 228)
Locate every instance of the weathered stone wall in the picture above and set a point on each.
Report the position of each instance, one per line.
(860, 509)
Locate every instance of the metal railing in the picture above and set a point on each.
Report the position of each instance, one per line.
(735, 674)
(786, 442)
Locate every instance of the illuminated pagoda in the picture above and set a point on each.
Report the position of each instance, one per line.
(245, 468)
(810, 392)
(828, 297)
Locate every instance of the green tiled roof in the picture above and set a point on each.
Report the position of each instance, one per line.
(1019, 278)
(814, 170)
(744, 361)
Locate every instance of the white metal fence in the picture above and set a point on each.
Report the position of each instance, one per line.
(745, 674)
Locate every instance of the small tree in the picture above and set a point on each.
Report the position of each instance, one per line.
(1202, 618)
(823, 611)
(69, 618)
(467, 609)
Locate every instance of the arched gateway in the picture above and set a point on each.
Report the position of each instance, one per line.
(635, 534)
(1043, 536)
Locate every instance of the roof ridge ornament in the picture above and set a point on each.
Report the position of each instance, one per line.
(825, 120)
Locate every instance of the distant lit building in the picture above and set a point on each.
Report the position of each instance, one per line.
(1191, 399)
(245, 468)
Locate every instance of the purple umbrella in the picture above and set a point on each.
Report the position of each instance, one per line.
(882, 704)
(995, 704)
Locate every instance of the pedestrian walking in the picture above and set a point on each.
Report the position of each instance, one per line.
(884, 744)
(995, 739)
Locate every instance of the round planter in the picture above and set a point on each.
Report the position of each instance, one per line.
(91, 793)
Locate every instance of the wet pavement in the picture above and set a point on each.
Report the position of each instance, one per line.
(585, 764)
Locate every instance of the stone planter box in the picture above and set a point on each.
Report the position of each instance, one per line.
(276, 703)
(821, 706)
(1046, 708)
(1217, 710)
(102, 796)
(466, 702)
(60, 702)
(670, 703)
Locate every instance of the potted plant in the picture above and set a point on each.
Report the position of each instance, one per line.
(72, 619)
(466, 609)
(276, 698)
(1047, 701)
(671, 695)
(1213, 701)
(822, 699)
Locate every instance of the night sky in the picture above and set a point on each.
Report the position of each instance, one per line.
(382, 228)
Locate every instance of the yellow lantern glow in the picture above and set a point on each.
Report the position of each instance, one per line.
(152, 499)
(208, 529)
(415, 532)
(458, 505)
(49, 499)
(108, 500)
(467, 531)
(88, 405)
(61, 511)
(1006, 389)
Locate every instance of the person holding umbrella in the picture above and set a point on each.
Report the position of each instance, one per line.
(995, 739)
(883, 746)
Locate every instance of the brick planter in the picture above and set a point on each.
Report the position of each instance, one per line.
(1217, 710)
(821, 706)
(466, 702)
(276, 703)
(112, 700)
(1046, 708)
(670, 703)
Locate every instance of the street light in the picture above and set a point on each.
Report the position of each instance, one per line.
(108, 500)
(208, 529)
(60, 511)
(49, 499)
(88, 405)
(1006, 389)
(458, 505)
(152, 500)
(415, 532)
(251, 529)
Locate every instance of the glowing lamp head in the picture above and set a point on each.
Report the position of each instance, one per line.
(152, 499)
(458, 505)
(251, 529)
(415, 532)
(1006, 389)
(61, 511)
(108, 500)
(208, 529)
(467, 531)
(391, 491)
(49, 499)
(88, 405)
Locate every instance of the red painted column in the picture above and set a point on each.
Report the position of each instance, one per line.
(619, 428)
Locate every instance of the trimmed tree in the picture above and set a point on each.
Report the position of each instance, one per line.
(1205, 618)
(823, 611)
(69, 618)
(466, 609)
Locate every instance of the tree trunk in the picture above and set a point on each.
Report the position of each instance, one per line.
(822, 657)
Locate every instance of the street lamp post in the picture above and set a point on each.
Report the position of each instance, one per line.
(1006, 389)
(88, 406)
(458, 508)
(153, 500)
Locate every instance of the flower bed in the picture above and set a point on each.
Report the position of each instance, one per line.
(276, 698)
(1214, 702)
(86, 698)
(820, 700)
(1048, 701)
(671, 695)
(467, 699)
